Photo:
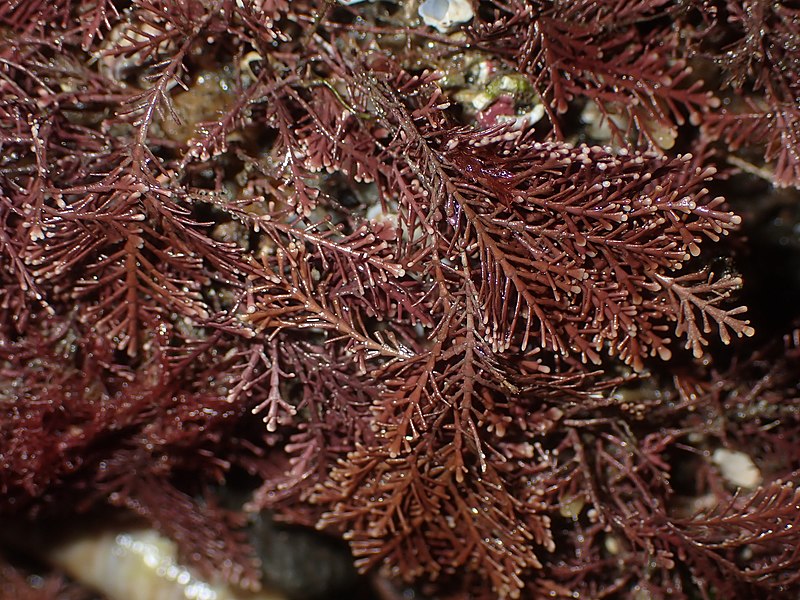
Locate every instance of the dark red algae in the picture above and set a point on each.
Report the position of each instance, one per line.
(469, 301)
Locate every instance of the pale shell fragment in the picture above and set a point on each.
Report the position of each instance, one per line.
(443, 15)
(139, 565)
(533, 116)
(737, 468)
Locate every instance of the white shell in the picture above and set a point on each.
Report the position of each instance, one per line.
(443, 15)
(737, 468)
(139, 565)
(533, 116)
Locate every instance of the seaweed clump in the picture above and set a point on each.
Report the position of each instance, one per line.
(466, 299)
